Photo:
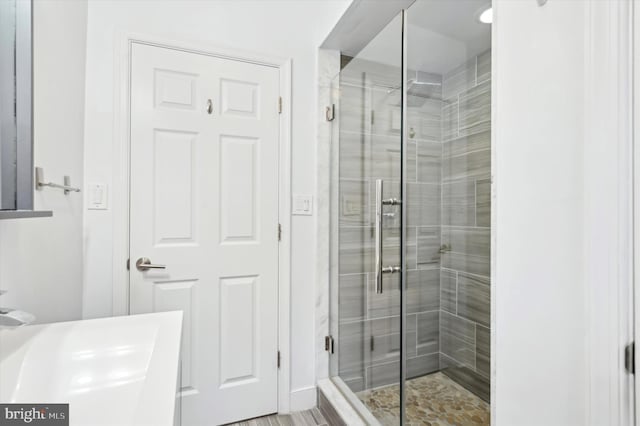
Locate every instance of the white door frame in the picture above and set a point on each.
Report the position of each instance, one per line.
(121, 181)
(609, 196)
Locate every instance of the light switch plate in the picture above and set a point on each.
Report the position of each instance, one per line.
(302, 205)
(97, 196)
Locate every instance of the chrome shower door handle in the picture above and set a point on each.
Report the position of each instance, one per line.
(378, 236)
(380, 202)
(144, 264)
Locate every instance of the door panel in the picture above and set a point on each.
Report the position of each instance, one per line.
(239, 187)
(204, 156)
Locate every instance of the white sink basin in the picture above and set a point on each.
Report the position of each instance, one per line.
(111, 371)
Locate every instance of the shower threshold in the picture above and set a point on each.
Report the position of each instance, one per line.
(434, 400)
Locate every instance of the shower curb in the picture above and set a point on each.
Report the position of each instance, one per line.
(337, 408)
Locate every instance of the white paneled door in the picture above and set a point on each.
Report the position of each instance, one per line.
(204, 210)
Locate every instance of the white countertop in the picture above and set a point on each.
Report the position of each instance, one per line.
(112, 371)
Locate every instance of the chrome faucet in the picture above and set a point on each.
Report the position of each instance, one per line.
(12, 318)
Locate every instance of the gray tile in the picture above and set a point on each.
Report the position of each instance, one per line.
(421, 365)
(356, 250)
(356, 384)
(297, 419)
(307, 418)
(387, 303)
(391, 189)
(475, 109)
(391, 241)
(470, 380)
(429, 162)
(483, 350)
(352, 101)
(433, 90)
(449, 120)
(428, 246)
(378, 72)
(351, 349)
(354, 203)
(474, 298)
(425, 121)
(477, 265)
(385, 156)
(428, 332)
(386, 339)
(355, 155)
(447, 362)
(423, 290)
(284, 420)
(383, 374)
(262, 421)
(471, 241)
(483, 202)
(448, 290)
(412, 161)
(412, 253)
(457, 339)
(459, 203)
(386, 110)
(466, 144)
(474, 165)
(423, 294)
(424, 204)
(351, 296)
(459, 79)
(484, 66)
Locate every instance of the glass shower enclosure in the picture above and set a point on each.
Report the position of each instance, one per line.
(411, 219)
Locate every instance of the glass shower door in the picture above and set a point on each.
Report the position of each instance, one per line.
(367, 223)
(411, 219)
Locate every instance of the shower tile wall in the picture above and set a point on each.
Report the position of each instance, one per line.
(369, 339)
(466, 212)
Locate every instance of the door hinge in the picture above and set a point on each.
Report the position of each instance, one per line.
(629, 358)
(279, 232)
(329, 344)
(373, 117)
(128, 264)
(372, 344)
(280, 105)
(278, 359)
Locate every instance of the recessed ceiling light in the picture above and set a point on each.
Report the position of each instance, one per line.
(486, 16)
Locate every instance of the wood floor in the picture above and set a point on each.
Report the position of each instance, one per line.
(311, 417)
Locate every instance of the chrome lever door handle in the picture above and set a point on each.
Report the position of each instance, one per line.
(144, 264)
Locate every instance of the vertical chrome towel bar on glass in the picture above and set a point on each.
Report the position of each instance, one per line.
(380, 202)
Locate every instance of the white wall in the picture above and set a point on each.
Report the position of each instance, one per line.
(292, 29)
(41, 259)
(539, 298)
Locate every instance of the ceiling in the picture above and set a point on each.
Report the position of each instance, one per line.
(455, 19)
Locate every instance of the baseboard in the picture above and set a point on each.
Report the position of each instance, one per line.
(303, 399)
